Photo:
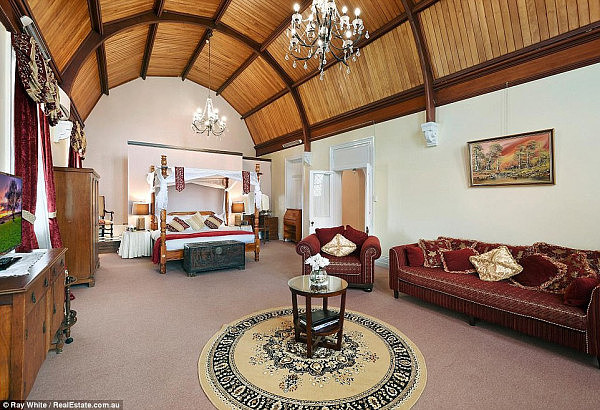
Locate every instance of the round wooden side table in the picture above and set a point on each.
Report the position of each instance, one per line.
(312, 327)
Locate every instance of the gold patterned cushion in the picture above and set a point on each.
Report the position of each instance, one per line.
(339, 246)
(496, 265)
(196, 221)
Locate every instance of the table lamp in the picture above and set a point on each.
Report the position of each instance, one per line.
(140, 208)
(237, 208)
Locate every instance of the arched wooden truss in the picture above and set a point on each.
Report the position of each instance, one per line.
(421, 53)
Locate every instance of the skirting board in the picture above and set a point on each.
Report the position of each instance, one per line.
(383, 261)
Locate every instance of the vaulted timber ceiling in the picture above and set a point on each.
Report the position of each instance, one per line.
(421, 53)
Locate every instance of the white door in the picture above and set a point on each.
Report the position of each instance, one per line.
(324, 204)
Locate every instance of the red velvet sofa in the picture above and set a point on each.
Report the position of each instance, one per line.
(532, 312)
(357, 268)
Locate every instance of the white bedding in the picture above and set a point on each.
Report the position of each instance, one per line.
(177, 244)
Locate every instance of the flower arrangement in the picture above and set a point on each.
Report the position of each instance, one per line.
(317, 262)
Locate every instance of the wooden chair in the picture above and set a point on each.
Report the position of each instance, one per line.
(105, 217)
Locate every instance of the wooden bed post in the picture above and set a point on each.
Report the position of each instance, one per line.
(153, 223)
(256, 238)
(163, 242)
(226, 202)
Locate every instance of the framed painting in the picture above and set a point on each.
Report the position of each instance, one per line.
(520, 159)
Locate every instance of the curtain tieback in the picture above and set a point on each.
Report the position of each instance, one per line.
(52, 214)
(28, 216)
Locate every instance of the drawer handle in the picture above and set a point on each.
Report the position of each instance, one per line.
(45, 282)
(33, 299)
(26, 334)
(44, 327)
(54, 309)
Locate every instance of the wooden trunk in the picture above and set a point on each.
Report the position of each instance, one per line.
(205, 256)
(31, 318)
(77, 215)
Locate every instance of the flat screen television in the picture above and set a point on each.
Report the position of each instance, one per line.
(11, 190)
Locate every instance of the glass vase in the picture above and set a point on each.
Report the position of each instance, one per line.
(318, 277)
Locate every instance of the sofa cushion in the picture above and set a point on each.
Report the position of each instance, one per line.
(325, 235)
(431, 251)
(458, 261)
(558, 252)
(539, 271)
(497, 264)
(577, 267)
(355, 236)
(345, 265)
(415, 256)
(457, 243)
(518, 252)
(339, 246)
(579, 292)
(499, 295)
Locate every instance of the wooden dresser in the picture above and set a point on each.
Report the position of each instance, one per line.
(31, 317)
(268, 225)
(292, 225)
(77, 215)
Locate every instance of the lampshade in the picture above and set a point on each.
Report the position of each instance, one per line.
(140, 209)
(237, 208)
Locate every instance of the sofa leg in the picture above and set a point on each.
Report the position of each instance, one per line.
(368, 289)
(472, 320)
(598, 360)
(396, 294)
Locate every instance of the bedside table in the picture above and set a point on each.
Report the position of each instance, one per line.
(135, 244)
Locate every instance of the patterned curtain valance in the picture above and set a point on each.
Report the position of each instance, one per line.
(37, 77)
(78, 140)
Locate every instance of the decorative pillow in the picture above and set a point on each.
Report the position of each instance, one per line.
(213, 222)
(415, 256)
(558, 252)
(339, 246)
(457, 244)
(430, 251)
(518, 252)
(496, 265)
(539, 272)
(181, 222)
(356, 236)
(579, 292)
(325, 235)
(458, 261)
(196, 221)
(176, 226)
(577, 267)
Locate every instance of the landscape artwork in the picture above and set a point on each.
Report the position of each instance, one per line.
(10, 211)
(522, 159)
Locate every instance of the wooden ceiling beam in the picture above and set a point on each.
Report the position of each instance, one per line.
(200, 46)
(148, 50)
(95, 15)
(424, 59)
(265, 103)
(102, 68)
(159, 7)
(422, 5)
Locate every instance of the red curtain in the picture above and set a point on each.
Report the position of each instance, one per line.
(26, 157)
(55, 240)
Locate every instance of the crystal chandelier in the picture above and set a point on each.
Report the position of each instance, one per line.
(324, 33)
(208, 121)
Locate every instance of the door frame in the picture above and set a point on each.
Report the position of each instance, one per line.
(367, 164)
(334, 192)
(290, 160)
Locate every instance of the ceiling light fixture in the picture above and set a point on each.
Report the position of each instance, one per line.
(208, 121)
(324, 33)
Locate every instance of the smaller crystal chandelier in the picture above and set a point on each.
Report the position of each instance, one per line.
(208, 121)
(325, 33)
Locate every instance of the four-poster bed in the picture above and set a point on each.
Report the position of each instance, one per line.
(219, 178)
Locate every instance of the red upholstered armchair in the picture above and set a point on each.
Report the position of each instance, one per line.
(357, 268)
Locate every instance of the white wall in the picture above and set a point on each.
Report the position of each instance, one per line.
(157, 110)
(424, 192)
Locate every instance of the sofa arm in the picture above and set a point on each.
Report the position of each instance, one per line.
(308, 246)
(397, 259)
(593, 323)
(372, 242)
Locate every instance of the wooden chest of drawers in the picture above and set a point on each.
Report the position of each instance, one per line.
(31, 317)
(292, 225)
(205, 256)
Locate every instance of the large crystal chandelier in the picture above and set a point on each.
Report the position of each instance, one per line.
(325, 33)
(208, 121)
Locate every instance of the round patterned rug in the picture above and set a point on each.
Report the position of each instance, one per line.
(255, 363)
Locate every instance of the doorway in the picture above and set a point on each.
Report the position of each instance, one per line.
(353, 198)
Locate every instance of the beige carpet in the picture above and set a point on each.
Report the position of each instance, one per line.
(139, 334)
(255, 362)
